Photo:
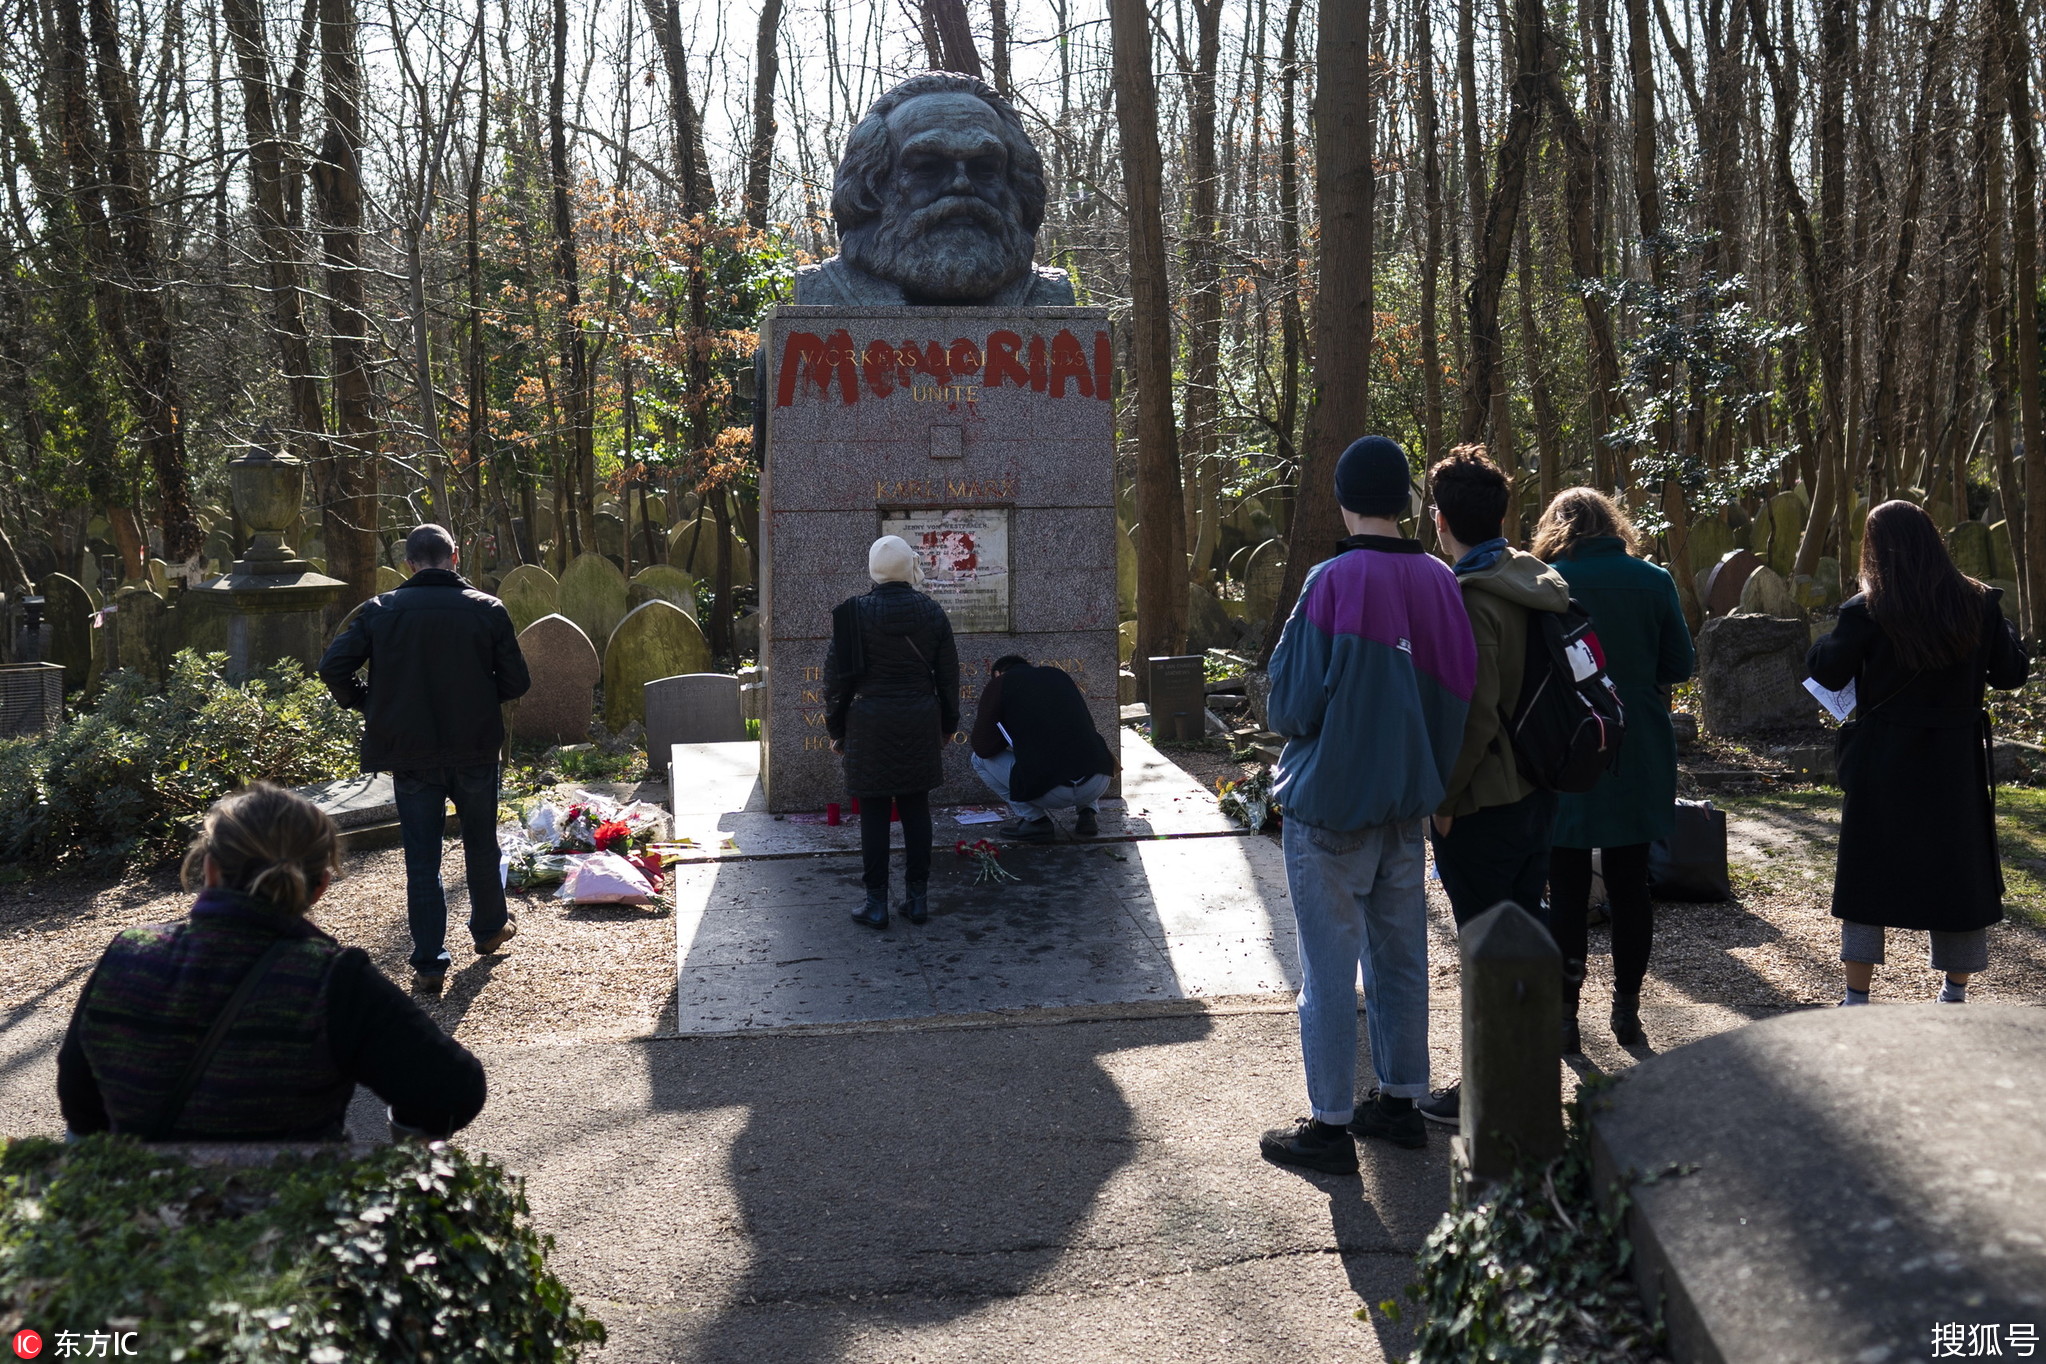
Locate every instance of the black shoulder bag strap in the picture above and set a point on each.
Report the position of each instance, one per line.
(166, 1119)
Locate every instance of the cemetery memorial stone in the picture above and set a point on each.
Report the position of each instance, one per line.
(565, 671)
(1512, 1110)
(140, 623)
(69, 608)
(388, 580)
(1709, 541)
(931, 382)
(2000, 551)
(1973, 553)
(653, 641)
(593, 595)
(1751, 674)
(1766, 594)
(1786, 518)
(694, 708)
(1264, 574)
(662, 582)
(528, 593)
(1207, 620)
(610, 534)
(1179, 697)
(274, 601)
(752, 684)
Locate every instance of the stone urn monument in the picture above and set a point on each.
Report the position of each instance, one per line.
(273, 602)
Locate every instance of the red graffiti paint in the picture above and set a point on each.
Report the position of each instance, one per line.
(814, 366)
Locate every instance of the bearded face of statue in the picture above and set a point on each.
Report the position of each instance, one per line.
(950, 228)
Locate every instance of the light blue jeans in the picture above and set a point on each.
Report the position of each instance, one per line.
(1357, 899)
(995, 772)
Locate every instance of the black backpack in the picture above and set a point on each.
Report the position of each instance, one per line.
(1567, 728)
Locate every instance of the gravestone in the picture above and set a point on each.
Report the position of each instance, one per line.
(752, 682)
(1179, 697)
(2000, 552)
(746, 635)
(610, 534)
(593, 596)
(1512, 1110)
(1207, 620)
(1709, 540)
(653, 641)
(693, 548)
(557, 708)
(1751, 674)
(140, 625)
(662, 582)
(984, 436)
(528, 593)
(1264, 574)
(1766, 594)
(68, 608)
(1126, 641)
(199, 623)
(1972, 550)
(388, 580)
(1785, 517)
(694, 708)
(1722, 588)
(158, 573)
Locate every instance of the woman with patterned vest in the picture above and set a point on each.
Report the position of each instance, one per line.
(244, 1022)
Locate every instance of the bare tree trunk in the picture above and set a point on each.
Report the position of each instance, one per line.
(692, 166)
(1484, 389)
(1293, 327)
(148, 360)
(1345, 118)
(1161, 547)
(350, 521)
(2024, 202)
(760, 154)
(1430, 136)
(571, 341)
(1202, 293)
(998, 22)
(955, 35)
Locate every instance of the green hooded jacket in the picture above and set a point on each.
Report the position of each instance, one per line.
(1498, 599)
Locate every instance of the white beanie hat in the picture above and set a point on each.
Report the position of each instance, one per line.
(891, 560)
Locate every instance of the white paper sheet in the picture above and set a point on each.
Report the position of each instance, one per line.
(1839, 704)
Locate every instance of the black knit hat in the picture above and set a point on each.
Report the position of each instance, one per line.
(1373, 478)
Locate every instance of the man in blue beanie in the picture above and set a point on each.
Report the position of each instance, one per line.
(1371, 685)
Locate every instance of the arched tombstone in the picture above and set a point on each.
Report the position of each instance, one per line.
(68, 607)
(662, 582)
(691, 708)
(388, 580)
(528, 593)
(1264, 574)
(1724, 581)
(593, 595)
(653, 641)
(557, 708)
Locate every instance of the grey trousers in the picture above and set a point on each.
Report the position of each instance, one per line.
(1957, 954)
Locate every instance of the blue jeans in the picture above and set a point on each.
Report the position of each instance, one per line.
(1074, 795)
(422, 798)
(1357, 899)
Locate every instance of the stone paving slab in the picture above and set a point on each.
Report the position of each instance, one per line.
(765, 939)
(1840, 1184)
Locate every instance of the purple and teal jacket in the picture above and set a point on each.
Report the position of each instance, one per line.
(1371, 684)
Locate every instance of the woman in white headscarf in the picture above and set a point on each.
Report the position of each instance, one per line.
(891, 698)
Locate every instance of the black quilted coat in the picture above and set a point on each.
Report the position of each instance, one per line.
(891, 697)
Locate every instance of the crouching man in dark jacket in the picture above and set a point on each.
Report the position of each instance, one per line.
(442, 658)
(1035, 745)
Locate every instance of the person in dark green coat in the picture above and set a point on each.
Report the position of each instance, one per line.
(1634, 608)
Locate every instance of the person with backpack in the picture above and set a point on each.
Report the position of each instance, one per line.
(1492, 824)
(1586, 537)
(1371, 681)
(1918, 851)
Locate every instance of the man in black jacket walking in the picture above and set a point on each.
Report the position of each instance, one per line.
(1035, 745)
(443, 658)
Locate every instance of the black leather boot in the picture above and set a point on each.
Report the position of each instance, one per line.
(916, 903)
(874, 914)
(1627, 1020)
(1573, 986)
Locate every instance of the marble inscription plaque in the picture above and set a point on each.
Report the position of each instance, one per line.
(965, 553)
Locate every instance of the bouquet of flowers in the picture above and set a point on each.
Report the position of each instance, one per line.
(988, 860)
(1248, 801)
(558, 832)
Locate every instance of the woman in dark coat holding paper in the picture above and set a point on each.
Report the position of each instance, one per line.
(1585, 537)
(891, 699)
(1917, 809)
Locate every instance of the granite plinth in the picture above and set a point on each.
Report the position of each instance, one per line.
(269, 617)
(874, 412)
(1837, 1183)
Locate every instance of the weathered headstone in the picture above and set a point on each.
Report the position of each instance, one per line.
(199, 623)
(1972, 551)
(1722, 589)
(1709, 540)
(610, 534)
(653, 641)
(593, 596)
(1207, 620)
(752, 685)
(662, 582)
(528, 593)
(1126, 641)
(68, 608)
(1511, 1111)
(746, 635)
(693, 708)
(1766, 594)
(693, 548)
(1751, 674)
(1786, 517)
(2000, 553)
(565, 668)
(141, 626)
(1264, 574)
(388, 579)
(1179, 697)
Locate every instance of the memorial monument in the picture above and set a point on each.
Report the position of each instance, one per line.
(931, 381)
